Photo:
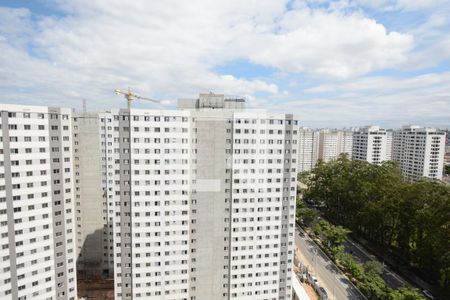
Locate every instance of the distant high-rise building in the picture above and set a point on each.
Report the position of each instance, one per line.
(345, 142)
(328, 145)
(419, 151)
(201, 200)
(447, 148)
(37, 257)
(325, 144)
(94, 233)
(372, 144)
(332, 143)
(389, 144)
(308, 149)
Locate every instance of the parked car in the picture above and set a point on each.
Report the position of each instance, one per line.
(314, 279)
(428, 294)
(323, 293)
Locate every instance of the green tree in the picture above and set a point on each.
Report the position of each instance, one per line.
(404, 294)
(410, 219)
(332, 236)
(444, 278)
(336, 235)
(447, 169)
(305, 215)
(372, 284)
(350, 265)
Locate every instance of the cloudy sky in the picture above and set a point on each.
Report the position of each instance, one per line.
(334, 63)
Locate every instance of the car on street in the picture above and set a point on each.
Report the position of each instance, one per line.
(323, 293)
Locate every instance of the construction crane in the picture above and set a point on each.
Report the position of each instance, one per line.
(132, 96)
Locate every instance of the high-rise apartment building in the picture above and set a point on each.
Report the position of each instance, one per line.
(37, 254)
(201, 200)
(332, 143)
(389, 144)
(372, 144)
(419, 151)
(328, 145)
(308, 149)
(325, 144)
(345, 142)
(447, 148)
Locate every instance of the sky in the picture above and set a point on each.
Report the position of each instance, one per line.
(333, 63)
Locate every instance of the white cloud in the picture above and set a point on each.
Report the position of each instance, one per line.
(170, 48)
(384, 100)
(408, 5)
(155, 48)
(332, 44)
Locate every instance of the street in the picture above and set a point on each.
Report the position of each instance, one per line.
(329, 276)
(392, 280)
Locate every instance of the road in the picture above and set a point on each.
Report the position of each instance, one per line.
(392, 280)
(338, 286)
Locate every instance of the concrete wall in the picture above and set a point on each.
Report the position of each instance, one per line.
(211, 207)
(89, 194)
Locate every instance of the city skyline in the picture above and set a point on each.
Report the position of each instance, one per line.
(204, 149)
(194, 201)
(335, 64)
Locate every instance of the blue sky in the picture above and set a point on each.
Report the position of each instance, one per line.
(333, 63)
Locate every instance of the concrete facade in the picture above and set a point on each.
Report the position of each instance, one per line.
(447, 148)
(324, 144)
(201, 201)
(371, 144)
(36, 204)
(419, 151)
(90, 203)
(308, 149)
(332, 143)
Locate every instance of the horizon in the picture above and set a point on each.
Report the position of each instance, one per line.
(344, 128)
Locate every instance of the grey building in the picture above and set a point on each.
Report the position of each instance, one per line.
(92, 229)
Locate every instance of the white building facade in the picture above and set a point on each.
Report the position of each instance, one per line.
(308, 149)
(371, 144)
(324, 144)
(332, 143)
(36, 204)
(201, 201)
(419, 151)
(345, 142)
(328, 145)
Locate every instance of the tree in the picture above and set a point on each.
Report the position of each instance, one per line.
(447, 169)
(320, 227)
(332, 237)
(372, 284)
(350, 265)
(336, 236)
(305, 215)
(404, 294)
(411, 220)
(373, 268)
(444, 278)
